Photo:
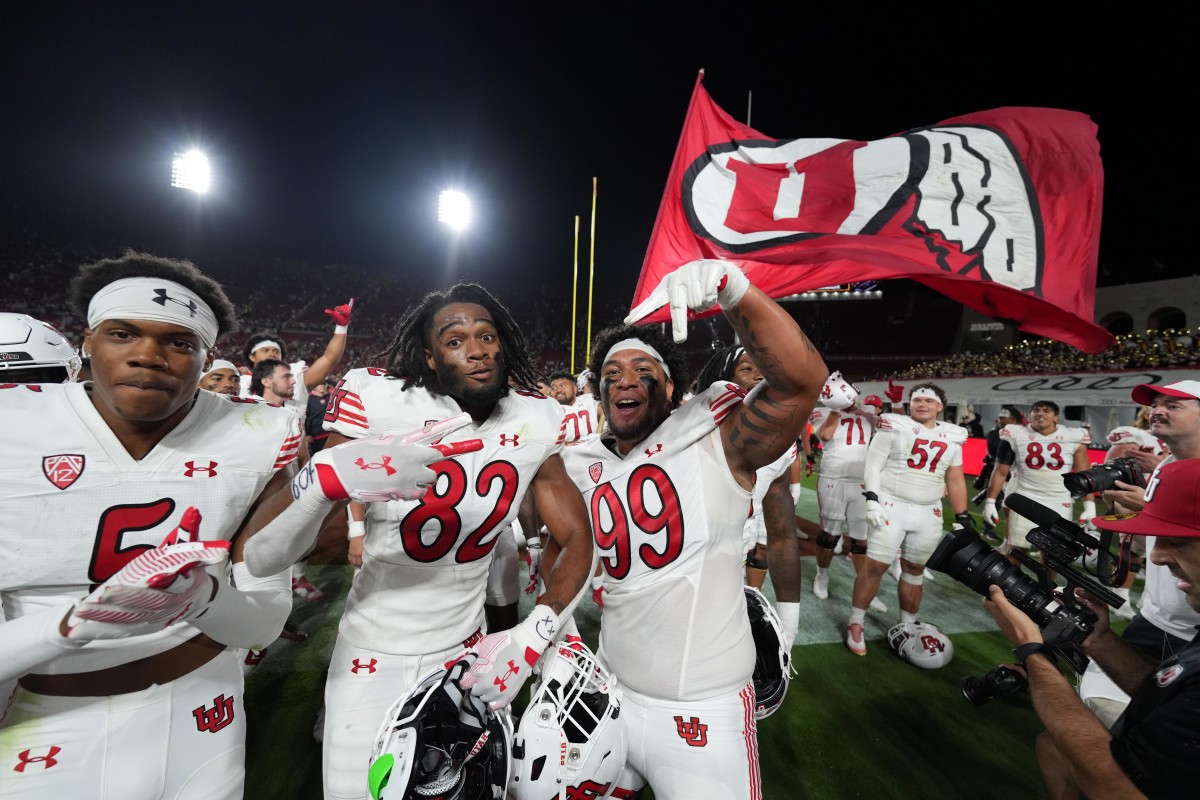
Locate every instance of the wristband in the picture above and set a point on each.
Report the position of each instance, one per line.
(340, 329)
(871, 496)
(1035, 649)
(356, 528)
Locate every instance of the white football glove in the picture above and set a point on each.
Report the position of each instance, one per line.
(159, 587)
(1089, 512)
(533, 557)
(698, 285)
(838, 394)
(990, 515)
(378, 468)
(502, 662)
(876, 516)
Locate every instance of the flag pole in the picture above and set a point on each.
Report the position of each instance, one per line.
(591, 275)
(749, 102)
(574, 294)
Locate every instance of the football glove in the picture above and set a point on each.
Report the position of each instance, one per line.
(341, 314)
(990, 515)
(502, 662)
(378, 468)
(1089, 512)
(876, 516)
(159, 587)
(533, 557)
(697, 285)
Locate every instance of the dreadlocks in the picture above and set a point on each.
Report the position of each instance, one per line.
(719, 367)
(405, 356)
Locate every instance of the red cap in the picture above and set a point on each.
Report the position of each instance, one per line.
(1171, 507)
(1144, 393)
(873, 400)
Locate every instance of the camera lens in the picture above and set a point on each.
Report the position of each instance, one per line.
(975, 690)
(969, 560)
(1080, 483)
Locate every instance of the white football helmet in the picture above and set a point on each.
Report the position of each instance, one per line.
(838, 394)
(32, 351)
(438, 740)
(921, 644)
(772, 661)
(569, 742)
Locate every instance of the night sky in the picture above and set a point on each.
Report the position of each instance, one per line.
(332, 130)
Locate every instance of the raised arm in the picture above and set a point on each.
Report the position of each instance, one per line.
(319, 370)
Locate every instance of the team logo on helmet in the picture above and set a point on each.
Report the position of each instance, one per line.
(63, 470)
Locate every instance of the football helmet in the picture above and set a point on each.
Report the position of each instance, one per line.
(569, 742)
(838, 394)
(921, 644)
(772, 659)
(32, 351)
(439, 740)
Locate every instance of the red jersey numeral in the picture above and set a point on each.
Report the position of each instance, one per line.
(923, 452)
(615, 536)
(1035, 460)
(108, 554)
(851, 423)
(443, 507)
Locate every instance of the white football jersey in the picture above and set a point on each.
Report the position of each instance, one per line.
(423, 580)
(668, 521)
(917, 457)
(76, 507)
(299, 399)
(581, 419)
(845, 455)
(1041, 461)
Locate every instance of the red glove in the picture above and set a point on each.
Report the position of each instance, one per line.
(341, 314)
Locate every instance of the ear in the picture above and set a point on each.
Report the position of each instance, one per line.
(85, 350)
(429, 360)
(208, 362)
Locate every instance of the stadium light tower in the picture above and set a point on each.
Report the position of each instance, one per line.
(190, 171)
(454, 209)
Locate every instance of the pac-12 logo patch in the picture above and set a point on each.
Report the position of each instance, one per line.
(63, 470)
(594, 471)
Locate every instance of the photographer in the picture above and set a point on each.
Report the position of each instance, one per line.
(1151, 750)
(1165, 622)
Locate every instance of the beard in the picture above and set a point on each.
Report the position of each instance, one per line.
(657, 409)
(469, 394)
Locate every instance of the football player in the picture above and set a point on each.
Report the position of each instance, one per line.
(670, 487)
(417, 600)
(133, 690)
(911, 462)
(1038, 455)
(581, 418)
(222, 378)
(845, 435)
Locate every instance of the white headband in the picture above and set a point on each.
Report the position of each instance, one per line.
(928, 394)
(638, 344)
(155, 299)
(220, 363)
(266, 343)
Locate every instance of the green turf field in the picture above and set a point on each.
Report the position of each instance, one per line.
(851, 727)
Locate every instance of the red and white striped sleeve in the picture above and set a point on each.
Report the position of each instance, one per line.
(345, 413)
(289, 451)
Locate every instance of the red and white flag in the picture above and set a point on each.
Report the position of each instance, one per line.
(999, 210)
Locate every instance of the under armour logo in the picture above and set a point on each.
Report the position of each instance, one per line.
(162, 298)
(692, 732)
(47, 761)
(191, 469)
(254, 657)
(212, 720)
(513, 671)
(657, 449)
(505, 437)
(932, 644)
(588, 790)
(385, 465)
(369, 666)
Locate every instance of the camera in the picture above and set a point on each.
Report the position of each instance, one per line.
(1103, 476)
(999, 682)
(1064, 620)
